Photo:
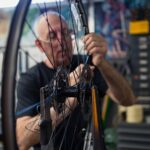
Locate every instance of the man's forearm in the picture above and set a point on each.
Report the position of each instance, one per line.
(27, 134)
(28, 127)
(119, 88)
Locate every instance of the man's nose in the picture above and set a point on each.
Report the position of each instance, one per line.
(60, 36)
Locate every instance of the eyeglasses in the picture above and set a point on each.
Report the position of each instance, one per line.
(53, 35)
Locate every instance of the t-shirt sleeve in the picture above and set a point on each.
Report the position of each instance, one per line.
(28, 94)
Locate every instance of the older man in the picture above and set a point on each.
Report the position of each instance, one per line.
(54, 39)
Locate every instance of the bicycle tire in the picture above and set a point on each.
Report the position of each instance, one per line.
(9, 73)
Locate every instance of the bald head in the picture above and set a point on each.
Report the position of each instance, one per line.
(50, 19)
(54, 38)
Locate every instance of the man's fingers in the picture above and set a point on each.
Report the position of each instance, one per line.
(74, 76)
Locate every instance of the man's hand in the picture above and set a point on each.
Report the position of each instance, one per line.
(96, 46)
(75, 75)
(68, 107)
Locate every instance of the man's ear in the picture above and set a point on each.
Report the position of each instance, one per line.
(39, 45)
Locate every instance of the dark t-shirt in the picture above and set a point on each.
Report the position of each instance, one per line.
(28, 93)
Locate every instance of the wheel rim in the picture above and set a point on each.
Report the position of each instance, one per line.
(9, 71)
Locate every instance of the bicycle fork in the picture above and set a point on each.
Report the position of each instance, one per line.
(98, 133)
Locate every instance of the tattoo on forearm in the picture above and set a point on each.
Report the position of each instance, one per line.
(34, 125)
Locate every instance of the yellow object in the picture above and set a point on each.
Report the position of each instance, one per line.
(135, 114)
(122, 109)
(139, 27)
(94, 109)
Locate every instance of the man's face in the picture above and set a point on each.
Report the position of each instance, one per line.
(55, 40)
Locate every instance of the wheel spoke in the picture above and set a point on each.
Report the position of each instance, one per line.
(66, 101)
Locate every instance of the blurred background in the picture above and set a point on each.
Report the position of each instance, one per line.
(125, 25)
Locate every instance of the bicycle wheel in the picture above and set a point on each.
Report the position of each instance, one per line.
(54, 89)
